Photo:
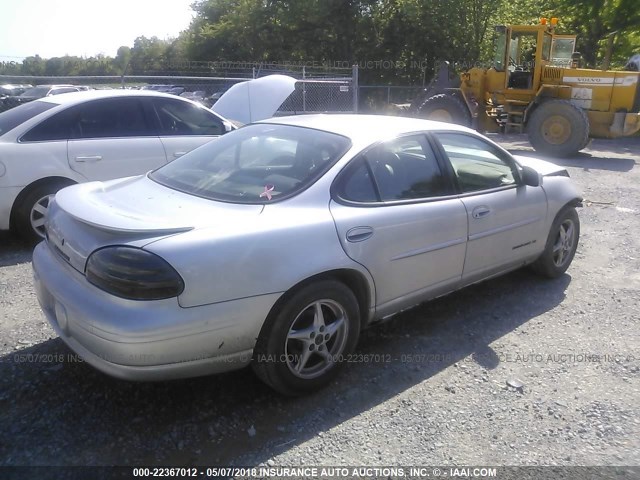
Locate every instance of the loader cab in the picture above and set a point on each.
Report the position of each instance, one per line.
(521, 52)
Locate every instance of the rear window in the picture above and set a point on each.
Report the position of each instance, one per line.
(37, 92)
(14, 117)
(259, 163)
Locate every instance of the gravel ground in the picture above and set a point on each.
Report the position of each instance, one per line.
(434, 391)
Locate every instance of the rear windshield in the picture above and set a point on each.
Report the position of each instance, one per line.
(14, 117)
(259, 163)
(38, 92)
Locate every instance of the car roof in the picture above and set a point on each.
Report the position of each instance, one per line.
(364, 128)
(79, 97)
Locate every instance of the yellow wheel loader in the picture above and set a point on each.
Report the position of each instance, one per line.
(535, 85)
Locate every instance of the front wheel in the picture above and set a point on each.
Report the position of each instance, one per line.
(561, 244)
(302, 346)
(558, 128)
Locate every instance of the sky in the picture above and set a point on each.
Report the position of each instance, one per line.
(54, 28)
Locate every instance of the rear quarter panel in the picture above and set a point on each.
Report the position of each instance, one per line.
(285, 245)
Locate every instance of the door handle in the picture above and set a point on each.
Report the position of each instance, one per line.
(178, 154)
(358, 234)
(480, 212)
(88, 158)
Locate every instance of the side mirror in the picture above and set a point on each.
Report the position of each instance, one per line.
(531, 177)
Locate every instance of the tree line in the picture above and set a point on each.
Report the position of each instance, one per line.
(393, 41)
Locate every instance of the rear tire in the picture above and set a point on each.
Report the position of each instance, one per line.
(302, 345)
(31, 213)
(561, 245)
(558, 128)
(445, 108)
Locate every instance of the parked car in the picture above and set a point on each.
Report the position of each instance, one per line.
(94, 135)
(276, 244)
(39, 91)
(10, 90)
(172, 89)
(196, 96)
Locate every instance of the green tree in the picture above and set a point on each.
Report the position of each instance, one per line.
(594, 20)
(148, 55)
(123, 57)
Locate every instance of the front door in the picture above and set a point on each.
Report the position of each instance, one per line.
(506, 218)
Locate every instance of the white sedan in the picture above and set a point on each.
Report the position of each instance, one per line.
(61, 140)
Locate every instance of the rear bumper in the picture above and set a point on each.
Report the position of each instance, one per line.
(145, 340)
(8, 196)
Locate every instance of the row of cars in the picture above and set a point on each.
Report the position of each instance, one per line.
(14, 95)
(272, 245)
(200, 96)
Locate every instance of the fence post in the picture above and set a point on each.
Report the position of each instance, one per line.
(124, 72)
(304, 89)
(355, 86)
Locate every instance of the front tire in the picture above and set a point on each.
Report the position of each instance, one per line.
(561, 244)
(301, 346)
(558, 128)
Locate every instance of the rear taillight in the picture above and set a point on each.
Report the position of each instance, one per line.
(133, 273)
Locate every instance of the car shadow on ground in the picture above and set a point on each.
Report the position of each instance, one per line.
(13, 250)
(81, 417)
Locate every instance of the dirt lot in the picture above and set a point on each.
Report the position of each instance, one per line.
(439, 397)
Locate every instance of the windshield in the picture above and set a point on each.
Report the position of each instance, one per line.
(562, 50)
(37, 92)
(14, 117)
(259, 163)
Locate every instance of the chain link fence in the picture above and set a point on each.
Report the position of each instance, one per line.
(317, 90)
(386, 99)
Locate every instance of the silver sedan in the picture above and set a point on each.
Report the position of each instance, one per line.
(277, 244)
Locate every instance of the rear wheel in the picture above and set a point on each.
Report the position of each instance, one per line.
(31, 214)
(561, 244)
(558, 128)
(301, 348)
(445, 108)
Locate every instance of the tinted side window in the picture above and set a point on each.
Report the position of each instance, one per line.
(113, 117)
(356, 184)
(406, 168)
(183, 118)
(478, 165)
(56, 127)
(14, 117)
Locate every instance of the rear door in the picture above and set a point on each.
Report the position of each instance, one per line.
(396, 214)
(112, 138)
(184, 126)
(506, 218)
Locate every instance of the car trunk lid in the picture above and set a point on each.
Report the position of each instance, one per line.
(132, 211)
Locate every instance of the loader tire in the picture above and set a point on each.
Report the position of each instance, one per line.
(558, 128)
(445, 108)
